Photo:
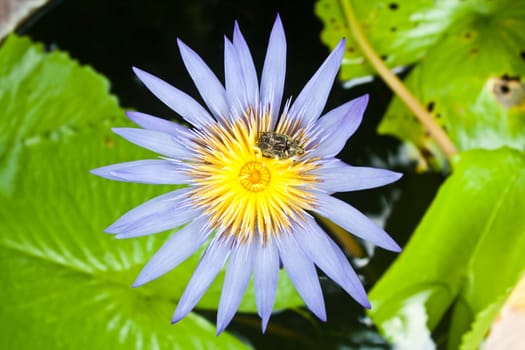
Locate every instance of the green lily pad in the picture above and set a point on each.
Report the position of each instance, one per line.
(467, 253)
(468, 62)
(399, 38)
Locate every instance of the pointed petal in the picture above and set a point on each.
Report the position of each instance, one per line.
(337, 176)
(209, 266)
(158, 214)
(156, 141)
(177, 248)
(274, 71)
(302, 273)
(353, 286)
(150, 122)
(266, 274)
(235, 87)
(353, 221)
(177, 100)
(338, 125)
(206, 81)
(151, 171)
(318, 246)
(235, 282)
(312, 99)
(249, 75)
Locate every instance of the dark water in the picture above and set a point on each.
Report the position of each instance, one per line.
(112, 36)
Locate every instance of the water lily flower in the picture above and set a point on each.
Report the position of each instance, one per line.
(254, 176)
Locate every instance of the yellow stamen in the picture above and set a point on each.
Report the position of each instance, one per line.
(243, 192)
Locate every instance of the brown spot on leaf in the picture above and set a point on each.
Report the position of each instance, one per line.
(109, 142)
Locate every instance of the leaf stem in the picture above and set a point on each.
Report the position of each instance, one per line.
(395, 83)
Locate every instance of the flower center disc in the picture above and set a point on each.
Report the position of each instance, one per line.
(254, 176)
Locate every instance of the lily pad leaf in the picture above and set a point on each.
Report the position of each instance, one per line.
(471, 82)
(468, 67)
(399, 37)
(456, 256)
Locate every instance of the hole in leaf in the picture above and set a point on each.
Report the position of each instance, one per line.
(522, 54)
(384, 57)
(430, 106)
(393, 6)
(509, 91)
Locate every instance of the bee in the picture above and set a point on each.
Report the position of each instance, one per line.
(275, 145)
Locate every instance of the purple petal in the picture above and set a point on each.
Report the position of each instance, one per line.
(154, 171)
(247, 67)
(178, 248)
(274, 71)
(353, 221)
(235, 86)
(150, 122)
(177, 100)
(336, 127)
(156, 141)
(206, 81)
(312, 99)
(354, 283)
(325, 254)
(209, 266)
(158, 214)
(302, 273)
(235, 282)
(266, 274)
(337, 176)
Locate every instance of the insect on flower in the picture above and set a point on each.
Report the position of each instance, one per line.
(254, 176)
(282, 146)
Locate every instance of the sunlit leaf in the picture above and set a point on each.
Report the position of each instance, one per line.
(470, 81)
(469, 59)
(467, 252)
(399, 37)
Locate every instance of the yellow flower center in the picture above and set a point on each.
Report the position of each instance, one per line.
(254, 176)
(242, 192)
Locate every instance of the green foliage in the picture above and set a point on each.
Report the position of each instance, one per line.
(389, 26)
(467, 253)
(66, 284)
(468, 56)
